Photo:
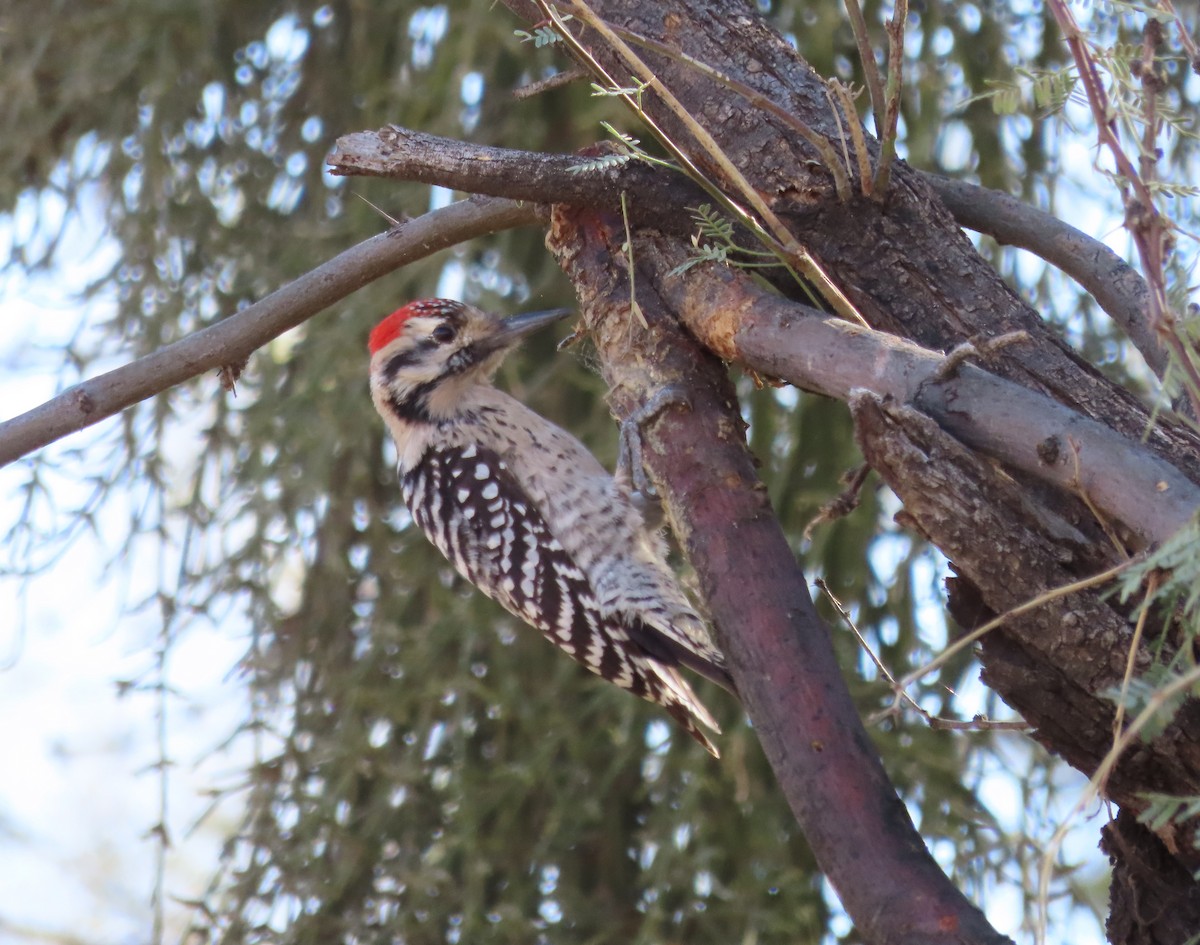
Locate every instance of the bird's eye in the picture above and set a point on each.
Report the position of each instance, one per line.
(443, 334)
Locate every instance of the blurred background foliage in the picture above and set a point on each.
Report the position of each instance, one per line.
(426, 769)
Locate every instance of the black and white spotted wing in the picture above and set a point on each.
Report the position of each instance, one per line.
(469, 505)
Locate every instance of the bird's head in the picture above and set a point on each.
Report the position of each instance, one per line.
(428, 354)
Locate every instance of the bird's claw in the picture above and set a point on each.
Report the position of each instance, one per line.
(630, 464)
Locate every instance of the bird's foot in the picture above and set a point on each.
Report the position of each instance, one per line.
(631, 468)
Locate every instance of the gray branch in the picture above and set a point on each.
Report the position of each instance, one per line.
(1116, 286)
(1023, 429)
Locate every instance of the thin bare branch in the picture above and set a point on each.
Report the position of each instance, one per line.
(233, 340)
(845, 98)
(1149, 229)
(866, 54)
(895, 87)
(1041, 600)
(1116, 286)
(977, 724)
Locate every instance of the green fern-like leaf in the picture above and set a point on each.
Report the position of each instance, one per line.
(542, 35)
(602, 163)
(1164, 809)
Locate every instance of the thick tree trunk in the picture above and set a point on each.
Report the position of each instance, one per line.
(909, 270)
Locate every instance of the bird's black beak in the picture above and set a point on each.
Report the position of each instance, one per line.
(516, 327)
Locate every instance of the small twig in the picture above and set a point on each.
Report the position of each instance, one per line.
(235, 337)
(820, 143)
(771, 229)
(844, 503)
(975, 349)
(845, 98)
(1152, 581)
(866, 54)
(1081, 491)
(230, 374)
(1185, 38)
(835, 111)
(897, 689)
(977, 724)
(1156, 702)
(1053, 594)
(895, 86)
(556, 81)
(634, 308)
(1149, 229)
(392, 221)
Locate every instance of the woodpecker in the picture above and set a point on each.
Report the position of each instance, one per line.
(529, 516)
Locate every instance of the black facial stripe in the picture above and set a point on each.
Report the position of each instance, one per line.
(399, 362)
(415, 407)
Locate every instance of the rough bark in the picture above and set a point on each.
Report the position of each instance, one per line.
(1054, 663)
(1152, 900)
(910, 271)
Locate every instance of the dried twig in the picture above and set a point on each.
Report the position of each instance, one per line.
(963, 642)
(895, 86)
(763, 222)
(556, 81)
(977, 724)
(845, 98)
(1149, 229)
(866, 53)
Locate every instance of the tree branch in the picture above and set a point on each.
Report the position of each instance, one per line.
(1045, 663)
(233, 339)
(1116, 286)
(655, 197)
(779, 650)
(905, 266)
(1022, 428)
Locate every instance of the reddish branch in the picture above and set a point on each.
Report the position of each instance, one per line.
(1149, 228)
(779, 650)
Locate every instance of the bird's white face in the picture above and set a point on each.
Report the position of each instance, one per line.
(430, 357)
(427, 354)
